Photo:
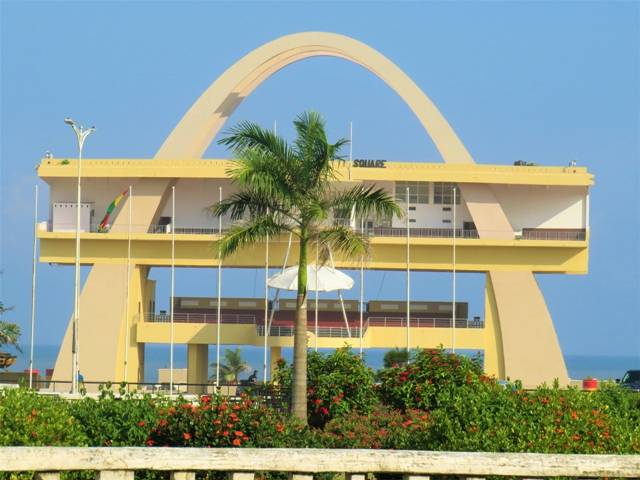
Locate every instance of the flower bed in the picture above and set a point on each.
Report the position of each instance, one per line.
(438, 402)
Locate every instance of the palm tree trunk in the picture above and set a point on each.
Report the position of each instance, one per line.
(299, 383)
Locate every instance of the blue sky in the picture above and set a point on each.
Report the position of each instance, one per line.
(542, 81)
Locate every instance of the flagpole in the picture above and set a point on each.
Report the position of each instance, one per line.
(361, 291)
(266, 308)
(408, 281)
(33, 287)
(453, 305)
(316, 306)
(350, 148)
(219, 295)
(128, 296)
(173, 281)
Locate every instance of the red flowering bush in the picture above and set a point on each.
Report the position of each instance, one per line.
(430, 379)
(117, 421)
(337, 384)
(382, 428)
(545, 420)
(218, 422)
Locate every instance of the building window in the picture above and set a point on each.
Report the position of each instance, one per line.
(443, 193)
(418, 192)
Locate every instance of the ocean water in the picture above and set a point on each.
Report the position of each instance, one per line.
(157, 356)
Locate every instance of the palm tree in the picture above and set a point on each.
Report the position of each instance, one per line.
(291, 188)
(233, 365)
(9, 332)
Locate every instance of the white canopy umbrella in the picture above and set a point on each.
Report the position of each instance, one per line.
(329, 279)
(319, 279)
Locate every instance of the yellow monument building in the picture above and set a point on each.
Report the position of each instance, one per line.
(511, 223)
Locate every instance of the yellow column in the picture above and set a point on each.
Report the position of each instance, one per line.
(275, 355)
(197, 366)
(493, 352)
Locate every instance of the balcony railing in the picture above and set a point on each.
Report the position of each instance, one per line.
(325, 332)
(419, 322)
(335, 332)
(120, 463)
(575, 234)
(230, 318)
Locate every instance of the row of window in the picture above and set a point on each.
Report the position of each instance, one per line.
(419, 192)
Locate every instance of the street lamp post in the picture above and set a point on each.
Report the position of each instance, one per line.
(81, 135)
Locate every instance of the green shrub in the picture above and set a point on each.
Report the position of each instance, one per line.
(382, 428)
(338, 383)
(118, 421)
(218, 422)
(547, 420)
(27, 418)
(431, 379)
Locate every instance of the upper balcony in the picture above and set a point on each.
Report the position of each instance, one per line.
(547, 207)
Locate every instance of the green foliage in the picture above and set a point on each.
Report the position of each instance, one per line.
(233, 365)
(395, 357)
(550, 420)
(217, 422)
(339, 383)
(27, 418)
(116, 421)
(382, 428)
(431, 379)
(9, 332)
(466, 412)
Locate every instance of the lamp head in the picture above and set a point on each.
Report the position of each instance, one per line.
(68, 121)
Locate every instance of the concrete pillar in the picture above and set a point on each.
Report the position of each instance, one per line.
(528, 349)
(493, 351)
(197, 366)
(275, 355)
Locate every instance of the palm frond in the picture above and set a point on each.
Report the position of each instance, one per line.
(242, 203)
(9, 334)
(250, 232)
(365, 200)
(248, 135)
(340, 239)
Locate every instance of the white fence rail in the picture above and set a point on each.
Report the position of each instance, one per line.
(112, 463)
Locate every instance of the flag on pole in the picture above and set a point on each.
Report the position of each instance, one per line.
(104, 224)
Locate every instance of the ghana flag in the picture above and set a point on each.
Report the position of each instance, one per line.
(103, 227)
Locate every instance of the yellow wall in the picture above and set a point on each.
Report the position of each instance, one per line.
(424, 172)
(387, 253)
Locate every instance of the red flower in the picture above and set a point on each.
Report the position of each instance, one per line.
(324, 411)
(407, 423)
(150, 443)
(237, 442)
(186, 436)
(163, 423)
(205, 399)
(236, 407)
(34, 412)
(574, 415)
(317, 401)
(141, 423)
(279, 427)
(225, 433)
(238, 433)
